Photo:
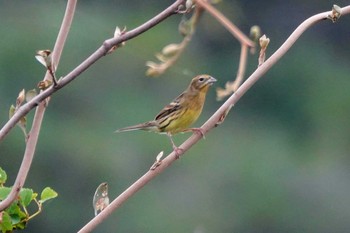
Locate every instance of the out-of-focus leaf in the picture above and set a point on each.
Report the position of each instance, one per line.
(3, 176)
(101, 199)
(20, 98)
(30, 95)
(5, 223)
(4, 192)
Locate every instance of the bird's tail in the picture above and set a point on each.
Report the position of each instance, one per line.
(147, 126)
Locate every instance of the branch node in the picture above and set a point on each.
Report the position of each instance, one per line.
(335, 13)
(264, 42)
(158, 161)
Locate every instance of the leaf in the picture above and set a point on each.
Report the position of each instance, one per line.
(171, 49)
(12, 111)
(5, 223)
(42, 85)
(3, 176)
(23, 123)
(20, 98)
(100, 200)
(26, 196)
(14, 209)
(161, 57)
(185, 27)
(44, 57)
(47, 194)
(4, 192)
(30, 95)
(159, 156)
(15, 219)
(154, 69)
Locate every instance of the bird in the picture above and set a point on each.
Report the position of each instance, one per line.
(181, 113)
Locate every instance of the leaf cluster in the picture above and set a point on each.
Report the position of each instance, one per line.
(16, 216)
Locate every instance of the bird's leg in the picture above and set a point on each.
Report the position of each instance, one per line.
(176, 149)
(195, 130)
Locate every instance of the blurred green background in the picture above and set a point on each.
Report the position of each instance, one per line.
(279, 163)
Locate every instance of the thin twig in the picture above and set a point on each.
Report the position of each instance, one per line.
(240, 36)
(231, 87)
(211, 122)
(39, 113)
(241, 68)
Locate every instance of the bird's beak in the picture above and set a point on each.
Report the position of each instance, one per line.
(211, 80)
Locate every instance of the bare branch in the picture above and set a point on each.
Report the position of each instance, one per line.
(211, 122)
(38, 100)
(231, 87)
(243, 39)
(39, 114)
(103, 50)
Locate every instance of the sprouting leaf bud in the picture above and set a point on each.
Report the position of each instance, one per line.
(20, 98)
(264, 42)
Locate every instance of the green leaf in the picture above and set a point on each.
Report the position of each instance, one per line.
(47, 194)
(21, 225)
(3, 176)
(13, 209)
(15, 219)
(5, 224)
(4, 192)
(31, 94)
(12, 111)
(26, 196)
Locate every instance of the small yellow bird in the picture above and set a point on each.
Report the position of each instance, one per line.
(182, 112)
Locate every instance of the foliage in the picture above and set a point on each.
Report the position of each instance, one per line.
(16, 216)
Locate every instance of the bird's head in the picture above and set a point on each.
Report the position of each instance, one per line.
(202, 82)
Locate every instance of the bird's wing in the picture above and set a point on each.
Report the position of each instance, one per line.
(170, 108)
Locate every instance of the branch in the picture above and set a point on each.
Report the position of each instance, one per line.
(211, 122)
(102, 51)
(39, 114)
(243, 39)
(38, 100)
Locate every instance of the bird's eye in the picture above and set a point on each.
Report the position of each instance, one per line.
(201, 79)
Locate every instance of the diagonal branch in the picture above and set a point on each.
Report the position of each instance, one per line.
(211, 122)
(38, 100)
(103, 50)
